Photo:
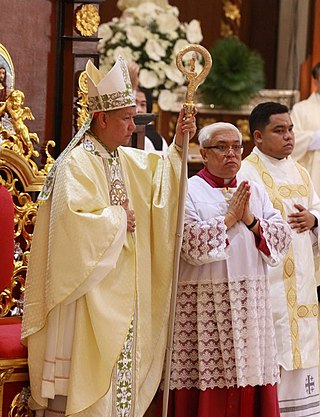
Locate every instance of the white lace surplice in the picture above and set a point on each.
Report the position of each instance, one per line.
(224, 334)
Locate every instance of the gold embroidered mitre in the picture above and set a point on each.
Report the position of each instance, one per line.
(109, 91)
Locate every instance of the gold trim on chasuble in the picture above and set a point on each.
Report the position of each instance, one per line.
(123, 381)
(277, 194)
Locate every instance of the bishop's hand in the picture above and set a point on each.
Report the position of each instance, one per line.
(185, 125)
(131, 219)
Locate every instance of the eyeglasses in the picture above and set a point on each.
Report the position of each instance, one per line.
(225, 149)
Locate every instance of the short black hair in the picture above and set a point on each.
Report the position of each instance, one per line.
(316, 71)
(260, 115)
(148, 94)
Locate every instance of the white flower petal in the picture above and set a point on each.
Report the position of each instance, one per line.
(148, 79)
(154, 50)
(148, 8)
(167, 100)
(136, 35)
(167, 23)
(194, 34)
(105, 32)
(180, 44)
(125, 52)
(174, 74)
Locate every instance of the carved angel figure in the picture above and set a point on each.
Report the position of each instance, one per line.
(14, 107)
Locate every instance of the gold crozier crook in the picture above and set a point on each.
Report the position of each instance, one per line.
(194, 79)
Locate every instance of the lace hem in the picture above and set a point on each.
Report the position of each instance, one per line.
(223, 336)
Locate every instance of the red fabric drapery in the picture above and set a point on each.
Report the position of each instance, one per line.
(6, 238)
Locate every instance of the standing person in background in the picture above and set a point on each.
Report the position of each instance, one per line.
(305, 116)
(224, 359)
(293, 284)
(153, 141)
(101, 264)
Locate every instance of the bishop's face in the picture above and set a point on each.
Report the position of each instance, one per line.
(222, 154)
(119, 126)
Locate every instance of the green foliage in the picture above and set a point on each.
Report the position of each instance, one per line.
(237, 73)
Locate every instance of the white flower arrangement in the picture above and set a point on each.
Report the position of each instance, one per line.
(151, 36)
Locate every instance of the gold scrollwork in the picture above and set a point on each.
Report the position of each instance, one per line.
(25, 212)
(82, 103)
(49, 159)
(19, 406)
(204, 121)
(5, 304)
(5, 375)
(232, 18)
(243, 126)
(87, 20)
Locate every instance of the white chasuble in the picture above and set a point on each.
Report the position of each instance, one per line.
(106, 289)
(293, 285)
(224, 334)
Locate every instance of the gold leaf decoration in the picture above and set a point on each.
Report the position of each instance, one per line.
(87, 20)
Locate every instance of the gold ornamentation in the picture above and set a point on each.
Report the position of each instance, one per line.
(308, 310)
(288, 268)
(49, 159)
(17, 113)
(13, 370)
(267, 179)
(82, 105)
(5, 375)
(297, 362)
(232, 18)
(5, 303)
(243, 126)
(204, 121)
(25, 212)
(87, 20)
(225, 30)
(19, 406)
(228, 192)
(194, 79)
(232, 11)
(291, 295)
(83, 82)
(287, 191)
